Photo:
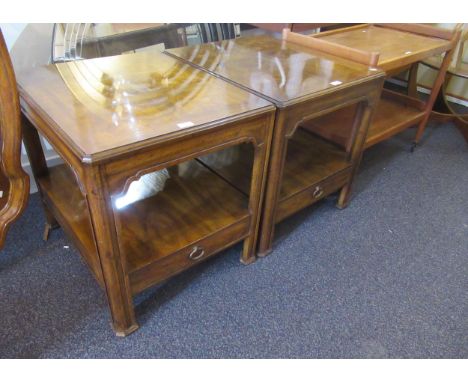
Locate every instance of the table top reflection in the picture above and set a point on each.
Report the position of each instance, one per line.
(101, 104)
(281, 71)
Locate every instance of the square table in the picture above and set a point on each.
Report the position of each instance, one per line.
(306, 85)
(131, 194)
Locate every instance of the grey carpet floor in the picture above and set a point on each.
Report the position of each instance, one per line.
(386, 277)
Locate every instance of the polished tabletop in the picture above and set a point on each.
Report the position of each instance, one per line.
(282, 72)
(393, 45)
(102, 104)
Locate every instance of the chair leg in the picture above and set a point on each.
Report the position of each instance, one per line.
(50, 224)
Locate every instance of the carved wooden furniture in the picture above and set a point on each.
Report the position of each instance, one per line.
(399, 46)
(132, 194)
(14, 182)
(305, 85)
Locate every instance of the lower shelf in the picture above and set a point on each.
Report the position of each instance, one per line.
(392, 117)
(191, 204)
(310, 160)
(394, 114)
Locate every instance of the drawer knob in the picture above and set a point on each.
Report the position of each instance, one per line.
(318, 192)
(196, 254)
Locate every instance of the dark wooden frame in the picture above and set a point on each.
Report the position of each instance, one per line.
(13, 177)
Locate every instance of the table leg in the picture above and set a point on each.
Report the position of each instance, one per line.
(38, 164)
(273, 185)
(113, 266)
(259, 168)
(361, 125)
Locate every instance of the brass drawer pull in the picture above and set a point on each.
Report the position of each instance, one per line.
(318, 192)
(194, 256)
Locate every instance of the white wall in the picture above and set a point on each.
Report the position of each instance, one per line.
(29, 46)
(11, 32)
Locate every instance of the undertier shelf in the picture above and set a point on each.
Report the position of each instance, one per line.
(309, 160)
(393, 114)
(192, 204)
(189, 203)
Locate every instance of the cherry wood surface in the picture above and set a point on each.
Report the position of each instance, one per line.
(14, 182)
(183, 201)
(304, 84)
(309, 160)
(396, 47)
(283, 72)
(111, 105)
(352, 54)
(305, 152)
(393, 114)
(132, 194)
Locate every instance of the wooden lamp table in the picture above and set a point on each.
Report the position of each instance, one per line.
(305, 85)
(400, 47)
(131, 193)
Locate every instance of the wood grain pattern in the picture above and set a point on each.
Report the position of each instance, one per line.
(282, 72)
(421, 29)
(392, 115)
(396, 47)
(14, 182)
(309, 160)
(111, 105)
(177, 211)
(370, 59)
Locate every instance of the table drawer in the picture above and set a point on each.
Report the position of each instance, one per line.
(189, 256)
(312, 194)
